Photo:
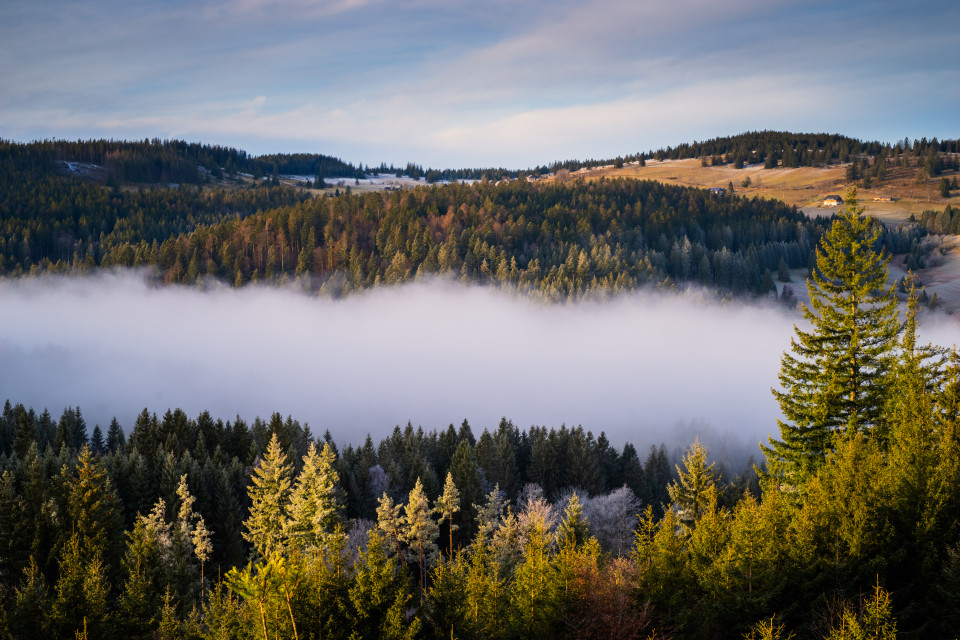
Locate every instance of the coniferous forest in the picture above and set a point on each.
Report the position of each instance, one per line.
(556, 240)
(193, 527)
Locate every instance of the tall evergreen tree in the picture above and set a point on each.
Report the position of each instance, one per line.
(696, 486)
(269, 490)
(115, 438)
(447, 505)
(389, 523)
(466, 477)
(832, 380)
(95, 511)
(314, 506)
(420, 531)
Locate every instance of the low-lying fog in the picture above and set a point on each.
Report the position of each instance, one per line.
(644, 367)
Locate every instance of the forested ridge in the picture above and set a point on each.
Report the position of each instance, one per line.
(558, 240)
(199, 528)
(561, 241)
(164, 161)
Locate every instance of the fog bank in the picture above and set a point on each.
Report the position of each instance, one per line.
(431, 353)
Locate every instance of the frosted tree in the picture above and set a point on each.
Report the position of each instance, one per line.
(537, 518)
(489, 514)
(613, 519)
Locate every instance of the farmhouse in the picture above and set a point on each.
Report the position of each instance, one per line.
(832, 201)
(718, 190)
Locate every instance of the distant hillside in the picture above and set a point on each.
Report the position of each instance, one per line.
(164, 161)
(562, 238)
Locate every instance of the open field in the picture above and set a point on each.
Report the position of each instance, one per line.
(805, 187)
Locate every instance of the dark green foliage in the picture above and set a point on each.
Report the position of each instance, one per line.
(868, 541)
(835, 379)
(562, 241)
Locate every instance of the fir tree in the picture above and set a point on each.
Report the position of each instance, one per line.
(95, 510)
(573, 530)
(389, 522)
(447, 505)
(269, 489)
(466, 477)
(31, 599)
(115, 437)
(314, 511)
(833, 379)
(696, 485)
(420, 531)
(379, 595)
(97, 443)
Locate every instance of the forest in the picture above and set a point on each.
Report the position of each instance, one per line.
(162, 161)
(193, 527)
(785, 149)
(557, 241)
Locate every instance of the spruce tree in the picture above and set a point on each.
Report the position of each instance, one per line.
(115, 437)
(314, 508)
(268, 501)
(696, 486)
(388, 522)
(447, 505)
(573, 530)
(95, 511)
(833, 379)
(420, 531)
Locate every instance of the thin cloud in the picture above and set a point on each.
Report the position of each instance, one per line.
(428, 81)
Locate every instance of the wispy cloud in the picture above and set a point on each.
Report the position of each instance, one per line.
(457, 83)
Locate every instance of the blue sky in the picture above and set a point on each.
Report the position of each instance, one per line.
(452, 84)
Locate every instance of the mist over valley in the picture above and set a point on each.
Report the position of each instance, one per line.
(643, 367)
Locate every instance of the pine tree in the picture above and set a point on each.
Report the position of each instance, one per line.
(191, 538)
(833, 379)
(31, 604)
(269, 490)
(875, 622)
(97, 443)
(145, 563)
(82, 592)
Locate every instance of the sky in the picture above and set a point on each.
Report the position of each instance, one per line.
(465, 84)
